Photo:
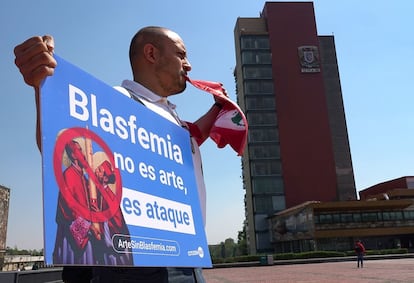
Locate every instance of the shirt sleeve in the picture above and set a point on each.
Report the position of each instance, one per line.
(195, 132)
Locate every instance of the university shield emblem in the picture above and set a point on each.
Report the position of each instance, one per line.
(308, 56)
(309, 59)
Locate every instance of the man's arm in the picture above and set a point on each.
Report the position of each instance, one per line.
(34, 58)
(206, 122)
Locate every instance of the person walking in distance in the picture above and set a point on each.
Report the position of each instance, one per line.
(360, 252)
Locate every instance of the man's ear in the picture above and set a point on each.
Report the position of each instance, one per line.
(150, 52)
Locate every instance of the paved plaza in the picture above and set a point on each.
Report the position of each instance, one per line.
(384, 271)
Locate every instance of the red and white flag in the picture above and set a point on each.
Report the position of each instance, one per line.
(231, 125)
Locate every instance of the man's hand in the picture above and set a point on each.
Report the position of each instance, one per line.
(219, 99)
(34, 58)
(96, 230)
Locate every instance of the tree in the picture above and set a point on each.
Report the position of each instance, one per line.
(229, 248)
(242, 242)
(16, 251)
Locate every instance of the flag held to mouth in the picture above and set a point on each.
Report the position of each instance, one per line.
(231, 124)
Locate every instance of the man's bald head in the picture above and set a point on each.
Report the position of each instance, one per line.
(159, 61)
(153, 35)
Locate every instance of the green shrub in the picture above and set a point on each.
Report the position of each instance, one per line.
(284, 256)
(318, 254)
(245, 258)
(305, 255)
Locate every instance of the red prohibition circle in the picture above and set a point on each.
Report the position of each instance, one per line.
(84, 211)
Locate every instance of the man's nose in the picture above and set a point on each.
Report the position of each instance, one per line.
(187, 65)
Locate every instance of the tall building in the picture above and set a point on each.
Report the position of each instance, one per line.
(4, 214)
(287, 82)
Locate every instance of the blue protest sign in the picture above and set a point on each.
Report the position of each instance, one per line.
(118, 179)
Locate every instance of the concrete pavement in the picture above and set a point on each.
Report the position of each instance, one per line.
(375, 271)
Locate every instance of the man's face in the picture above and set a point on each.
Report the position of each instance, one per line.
(173, 65)
(76, 153)
(100, 173)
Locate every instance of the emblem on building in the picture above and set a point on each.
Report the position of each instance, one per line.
(309, 59)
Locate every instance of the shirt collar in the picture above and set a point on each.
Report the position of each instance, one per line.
(141, 92)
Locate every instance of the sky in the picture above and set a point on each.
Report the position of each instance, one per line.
(375, 50)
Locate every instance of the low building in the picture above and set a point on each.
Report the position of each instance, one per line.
(400, 188)
(383, 220)
(22, 262)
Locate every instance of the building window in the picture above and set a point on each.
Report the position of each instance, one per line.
(254, 42)
(262, 241)
(347, 218)
(410, 182)
(325, 218)
(266, 168)
(357, 217)
(257, 72)
(336, 218)
(278, 203)
(258, 87)
(260, 102)
(263, 134)
(263, 204)
(392, 215)
(262, 118)
(261, 222)
(264, 151)
(272, 185)
(369, 216)
(256, 57)
(409, 214)
(379, 216)
(269, 204)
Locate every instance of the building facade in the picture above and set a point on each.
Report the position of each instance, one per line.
(4, 215)
(287, 83)
(335, 226)
(399, 188)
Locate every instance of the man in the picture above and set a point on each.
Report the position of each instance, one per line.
(116, 225)
(159, 65)
(70, 248)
